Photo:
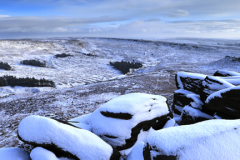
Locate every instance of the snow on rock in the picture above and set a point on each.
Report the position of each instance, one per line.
(137, 152)
(212, 84)
(225, 101)
(13, 154)
(64, 140)
(40, 153)
(189, 81)
(124, 120)
(213, 139)
(191, 115)
(170, 123)
(234, 80)
(183, 97)
(225, 73)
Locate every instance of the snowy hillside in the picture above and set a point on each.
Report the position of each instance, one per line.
(85, 80)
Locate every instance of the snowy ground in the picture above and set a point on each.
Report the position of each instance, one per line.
(85, 82)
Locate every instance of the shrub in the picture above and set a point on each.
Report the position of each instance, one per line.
(63, 55)
(89, 54)
(125, 66)
(5, 66)
(34, 62)
(25, 82)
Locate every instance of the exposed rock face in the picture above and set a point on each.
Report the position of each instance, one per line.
(64, 140)
(224, 73)
(225, 101)
(183, 97)
(191, 115)
(121, 121)
(189, 81)
(213, 139)
(213, 84)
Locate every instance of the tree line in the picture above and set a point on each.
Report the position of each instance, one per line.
(25, 82)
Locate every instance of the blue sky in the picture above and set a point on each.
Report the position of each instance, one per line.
(120, 18)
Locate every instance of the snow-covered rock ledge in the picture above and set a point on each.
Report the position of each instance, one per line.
(64, 140)
(202, 97)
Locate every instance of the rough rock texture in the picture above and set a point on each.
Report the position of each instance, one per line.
(183, 98)
(191, 115)
(213, 84)
(189, 81)
(213, 139)
(126, 119)
(225, 101)
(64, 140)
(224, 73)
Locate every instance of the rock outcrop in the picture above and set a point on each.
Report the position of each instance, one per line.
(225, 101)
(64, 140)
(123, 120)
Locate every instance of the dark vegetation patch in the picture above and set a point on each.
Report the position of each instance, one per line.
(89, 54)
(34, 62)
(63, 55)
(5, 66)
(25, 82)
(125, 66)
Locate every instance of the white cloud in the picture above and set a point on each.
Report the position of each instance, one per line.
(178, 13)
(2, 16)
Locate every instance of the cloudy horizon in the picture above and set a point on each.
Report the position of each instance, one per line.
(152, 19)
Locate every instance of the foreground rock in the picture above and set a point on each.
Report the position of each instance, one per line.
(189, 81)
(225, 101)
(213, 139)
(182, 98)
(213, 84)
(192, 115)
(127, 119)
(13, 154)
(64, 140)
(40, 153)
(224, 73)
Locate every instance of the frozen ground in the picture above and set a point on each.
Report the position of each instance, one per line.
(85, 82)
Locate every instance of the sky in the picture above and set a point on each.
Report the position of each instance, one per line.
(144, 19)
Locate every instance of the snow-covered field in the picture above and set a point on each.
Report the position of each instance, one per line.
(84, 82)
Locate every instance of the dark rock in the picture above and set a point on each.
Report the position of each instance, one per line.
(218, 115)
(183, 98)
(191, 115)
(125, 116)
(224, 73)
(225, 101)
(156, 124)
(189, 81)
(213, 84)
(147, 154)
